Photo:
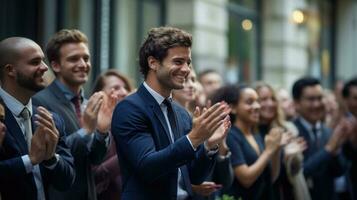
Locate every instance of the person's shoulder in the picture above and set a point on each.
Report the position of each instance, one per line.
(131, 100)
(130, 104)
(235, 133)
(44, 93)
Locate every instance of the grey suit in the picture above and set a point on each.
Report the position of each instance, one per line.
(86, 150)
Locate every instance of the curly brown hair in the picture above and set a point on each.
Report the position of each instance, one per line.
(60, 38)
(158, 42)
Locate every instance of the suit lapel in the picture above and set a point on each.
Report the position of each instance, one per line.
(306, 134)
(13, 127)
(155, 107)
(64, 101)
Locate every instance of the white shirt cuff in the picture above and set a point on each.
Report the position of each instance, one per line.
(27, 163)
(195, 149)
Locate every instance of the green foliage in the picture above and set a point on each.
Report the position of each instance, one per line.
(227, 197)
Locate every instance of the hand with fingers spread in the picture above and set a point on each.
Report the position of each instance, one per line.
(37, 152)
(206, 122)
(219, 136)
(90, 115)
(295, 146)
(44, 119)
(286, 138)
(106, 111)
(340, 134)
(273, 140)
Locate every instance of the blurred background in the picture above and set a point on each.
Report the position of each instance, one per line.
(245, 40)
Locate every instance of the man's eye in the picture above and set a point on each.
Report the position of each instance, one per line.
(178, 63)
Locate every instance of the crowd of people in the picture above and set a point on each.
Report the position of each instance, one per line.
(180, 135)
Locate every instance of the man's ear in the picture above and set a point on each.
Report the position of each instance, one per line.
(56, 67)
(153, 63)
(9, 70)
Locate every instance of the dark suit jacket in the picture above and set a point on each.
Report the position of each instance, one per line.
(15, 183)
(320, 166)
(148, 161)
(83, 188)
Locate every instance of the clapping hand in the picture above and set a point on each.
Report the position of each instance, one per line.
(90, 115)
(296, 146)
(106, 111)
(340, 134)
(48, 130)
(206, 122)
(273, 140)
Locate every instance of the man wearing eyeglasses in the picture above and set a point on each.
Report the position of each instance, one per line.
(322, 159)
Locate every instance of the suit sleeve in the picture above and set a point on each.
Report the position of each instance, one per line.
(11, 168)
(62, 175)
(202, 165)
(80, 143)
(133, 135)
(322, 160)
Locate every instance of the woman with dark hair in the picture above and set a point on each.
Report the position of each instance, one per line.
(256, 162)
(107, 174)
(291, 182)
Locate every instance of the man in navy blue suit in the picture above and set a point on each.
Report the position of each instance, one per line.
(33, 154)
(322, 160)
(161, 149)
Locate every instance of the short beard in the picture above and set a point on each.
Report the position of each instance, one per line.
(28, 83)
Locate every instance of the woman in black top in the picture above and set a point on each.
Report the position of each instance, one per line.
(255, 161)
(291, 183)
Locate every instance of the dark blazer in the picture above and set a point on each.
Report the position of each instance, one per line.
(148, 161)
(84, 154)
(15, 183)
(320, 167)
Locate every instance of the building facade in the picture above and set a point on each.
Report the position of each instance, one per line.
(245, 40)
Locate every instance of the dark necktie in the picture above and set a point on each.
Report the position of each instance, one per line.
(76, 100)
(316, 137)
(172, 118)
(184, 180)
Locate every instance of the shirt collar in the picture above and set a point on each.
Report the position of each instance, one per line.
(308, 125)
(67, 92)
(159, 99)
(13, 104)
